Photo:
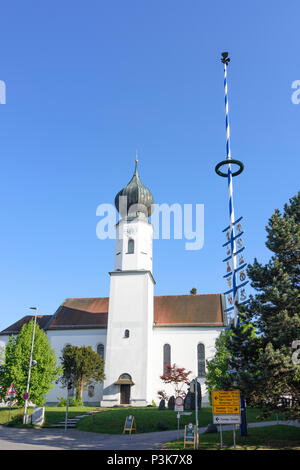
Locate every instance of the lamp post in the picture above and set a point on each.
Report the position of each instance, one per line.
(30, 364)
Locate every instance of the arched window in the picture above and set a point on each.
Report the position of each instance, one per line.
(201, 360)
(125, 377)
(100, 350)
(126, 334)
(130, 250)
(167, 357)
(91, 391)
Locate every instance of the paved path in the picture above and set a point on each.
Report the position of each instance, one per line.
(73, 439)
(58, 439)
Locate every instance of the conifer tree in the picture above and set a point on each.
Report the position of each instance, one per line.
(261, 346)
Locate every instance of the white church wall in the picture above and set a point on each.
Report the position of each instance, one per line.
(3, 343)
(183, 342)
(80, 337)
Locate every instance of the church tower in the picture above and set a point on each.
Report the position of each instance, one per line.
(128, 359)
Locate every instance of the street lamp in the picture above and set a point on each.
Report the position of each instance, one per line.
(31, 363)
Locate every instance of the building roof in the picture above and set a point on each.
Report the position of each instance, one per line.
(81, 314)
(188, 310)
(15, 328)
(204, 310)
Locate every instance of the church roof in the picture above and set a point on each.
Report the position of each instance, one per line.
(169, 310)
(81, 313)
(15, 328)
(188, 310)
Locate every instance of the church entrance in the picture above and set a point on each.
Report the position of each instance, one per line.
(124, 394)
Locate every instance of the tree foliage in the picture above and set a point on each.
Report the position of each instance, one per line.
(81, 367)
(16, 365)
(261, 347)
(217, 376)
(178, 378)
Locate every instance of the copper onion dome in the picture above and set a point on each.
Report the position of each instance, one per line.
(139, 199)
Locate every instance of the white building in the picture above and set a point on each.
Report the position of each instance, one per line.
(136, 332)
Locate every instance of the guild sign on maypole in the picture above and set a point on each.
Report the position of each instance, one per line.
(235, 264)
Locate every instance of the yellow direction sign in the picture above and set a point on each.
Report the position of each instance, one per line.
(226, 402)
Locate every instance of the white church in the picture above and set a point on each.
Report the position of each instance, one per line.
(136, 332)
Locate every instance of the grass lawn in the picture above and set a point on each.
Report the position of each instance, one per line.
(53, 414)
(265, 438)
(16, 415)
(111, 420)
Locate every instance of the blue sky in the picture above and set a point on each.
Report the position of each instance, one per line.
(90, 82)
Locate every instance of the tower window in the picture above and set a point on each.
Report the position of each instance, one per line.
(126, 334)
(167, 357)
(130, 250)
(201, 360)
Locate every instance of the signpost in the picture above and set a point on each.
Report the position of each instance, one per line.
(129, 424)
(11, 392)
(226, 409)
(178, 404)
(179, 408)
(190, 435)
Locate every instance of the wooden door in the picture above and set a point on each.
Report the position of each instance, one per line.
(125, 394)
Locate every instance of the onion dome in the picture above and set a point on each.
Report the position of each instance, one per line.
(139, 199)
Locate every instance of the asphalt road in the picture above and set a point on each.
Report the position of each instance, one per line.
(72, 439)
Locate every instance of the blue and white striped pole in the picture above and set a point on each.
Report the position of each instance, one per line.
(225, 61)
(229, 175)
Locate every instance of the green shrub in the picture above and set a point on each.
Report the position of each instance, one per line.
(72, 401)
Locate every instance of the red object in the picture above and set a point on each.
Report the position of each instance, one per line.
(179, 401)
(11, 390)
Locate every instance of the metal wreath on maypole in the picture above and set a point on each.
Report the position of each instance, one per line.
(234, 244)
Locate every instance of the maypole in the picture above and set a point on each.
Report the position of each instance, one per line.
(234, 243)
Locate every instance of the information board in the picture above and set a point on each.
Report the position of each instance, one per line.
(129, 424)
(226, 402)
(190, 435)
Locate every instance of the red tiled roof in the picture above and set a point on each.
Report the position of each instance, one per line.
(169, 310)
(188, 310)
(81, 313)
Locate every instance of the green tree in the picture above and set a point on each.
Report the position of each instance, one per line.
(217, 376)
(81, 367)
(261, 347)
(16, 364)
